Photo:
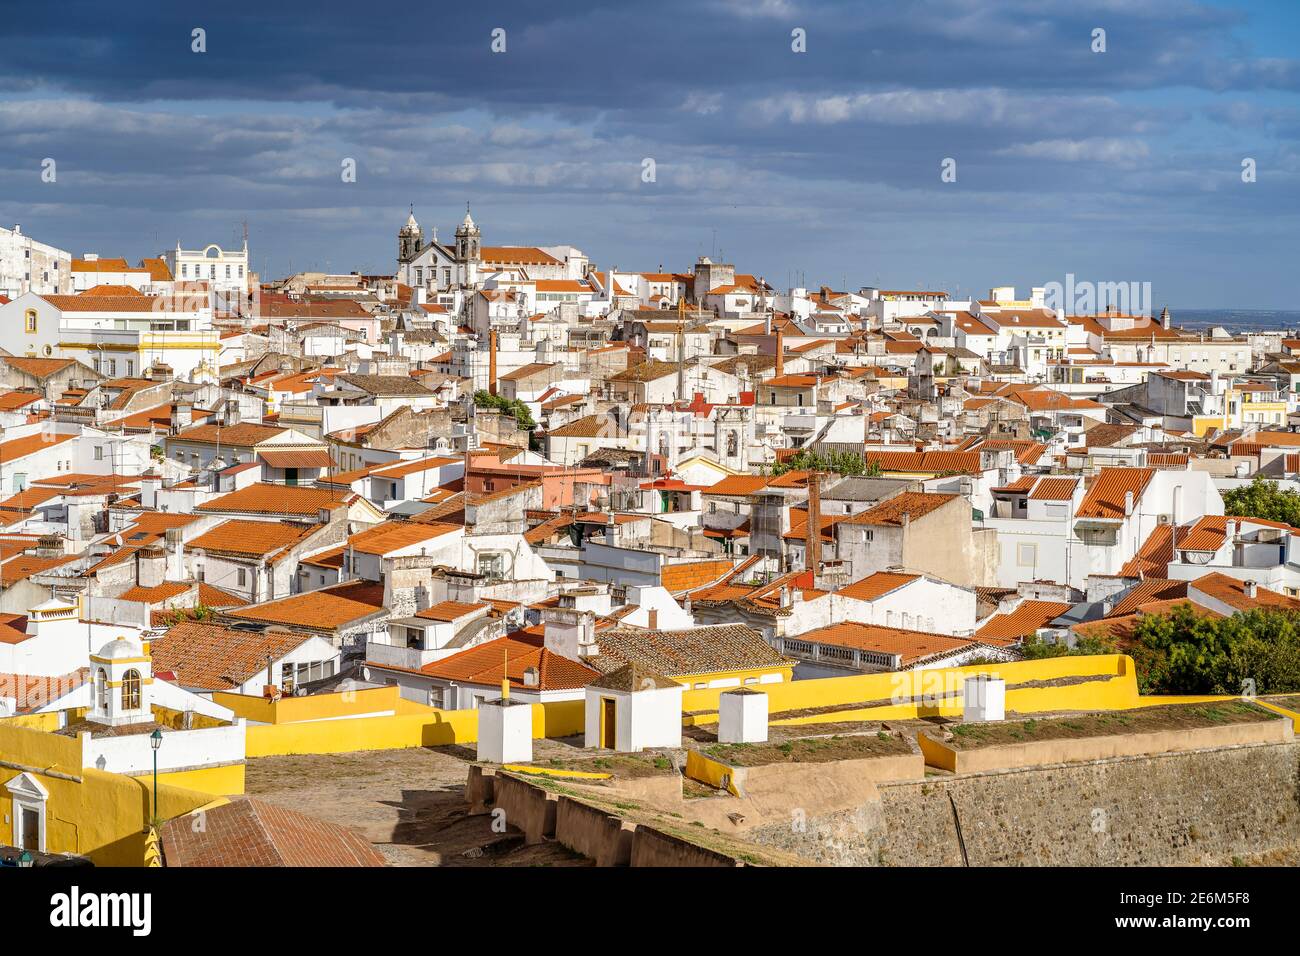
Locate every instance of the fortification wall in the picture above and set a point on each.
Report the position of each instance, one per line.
(1192, 807)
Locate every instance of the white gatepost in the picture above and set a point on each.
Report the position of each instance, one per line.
(984, 698)
(742, 717)
(505, 731)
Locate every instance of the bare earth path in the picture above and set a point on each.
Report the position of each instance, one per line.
(408, 803)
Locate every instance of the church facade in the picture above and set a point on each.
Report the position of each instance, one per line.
(466, 264)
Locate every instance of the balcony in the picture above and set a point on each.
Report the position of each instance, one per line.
(393, 655)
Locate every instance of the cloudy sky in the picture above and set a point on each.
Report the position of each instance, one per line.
(821, 167)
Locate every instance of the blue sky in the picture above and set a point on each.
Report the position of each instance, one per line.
(821, 167)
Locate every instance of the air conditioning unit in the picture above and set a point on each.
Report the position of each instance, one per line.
(1164, 519)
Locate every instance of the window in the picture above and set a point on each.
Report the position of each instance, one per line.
(101, 690)
(99, 453)
(131, 690)
(435, 697)
(243, 578)
(29, 321)
(1026, 555)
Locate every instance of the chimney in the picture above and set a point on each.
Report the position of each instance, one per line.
(780, 354)
(652, 619)
(611, 530)
(1251, 589)
(151, 567)
(813, 547)
(175, 554)
(785, 596)
(531, 677)
(492, 361)
(182, 415)
(1128, 503)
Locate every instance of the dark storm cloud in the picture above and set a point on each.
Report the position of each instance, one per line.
(825, 161)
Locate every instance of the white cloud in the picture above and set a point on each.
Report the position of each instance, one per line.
(1119, 152)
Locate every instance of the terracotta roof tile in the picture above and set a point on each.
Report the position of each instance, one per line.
(252, 832)
(1106, 495)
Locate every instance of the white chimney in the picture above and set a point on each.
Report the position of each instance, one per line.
(1128, 503)
(1251, 589)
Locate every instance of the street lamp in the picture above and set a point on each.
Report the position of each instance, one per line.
(25, 859)
(155, 741)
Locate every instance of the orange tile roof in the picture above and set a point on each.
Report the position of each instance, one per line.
(689, 575)
(1146, 591)
(1047, 400)
(1154, 555)
(23, 566)
(12, 401)
(324, 610)
(937, 462)
(451, 610)
(269, 540)
(248, 832)
(1054, 489)
(278, 499)
(1207, 534)
(508, 657)
(739, 486)
(393, 535)
(914, 504)
(1020, 485)
(1232, 592)
(1026, 619)
(245, 434)
(155, 595)
(1106, 494)
(910, 646)
(297, 458)
(18, 448)
(877, 585)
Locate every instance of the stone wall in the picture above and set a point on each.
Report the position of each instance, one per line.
(1195, 807)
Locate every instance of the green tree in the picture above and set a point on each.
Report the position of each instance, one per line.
(1188, 653)
(1263, 499)
(509, 406)
(1036, 649)
(841, 462)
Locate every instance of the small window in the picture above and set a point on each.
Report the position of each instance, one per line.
(243, 578)
(29, 321)
(131, 690)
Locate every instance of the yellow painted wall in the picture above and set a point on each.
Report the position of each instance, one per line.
(319, 706)
(433, 728)
(100, 815)
(226, 781)
(901, 689)
(48, 721)
(785, 670)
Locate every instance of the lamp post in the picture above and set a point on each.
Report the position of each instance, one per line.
(155, 741)
(25, 859)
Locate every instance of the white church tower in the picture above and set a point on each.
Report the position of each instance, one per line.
(122, 672)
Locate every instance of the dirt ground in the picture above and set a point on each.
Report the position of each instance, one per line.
(408, 803)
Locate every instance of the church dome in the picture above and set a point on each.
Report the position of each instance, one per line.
(411, 225)
(119, 648)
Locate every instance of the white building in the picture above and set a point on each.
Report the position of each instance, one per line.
(30, 266)
(224, 271)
